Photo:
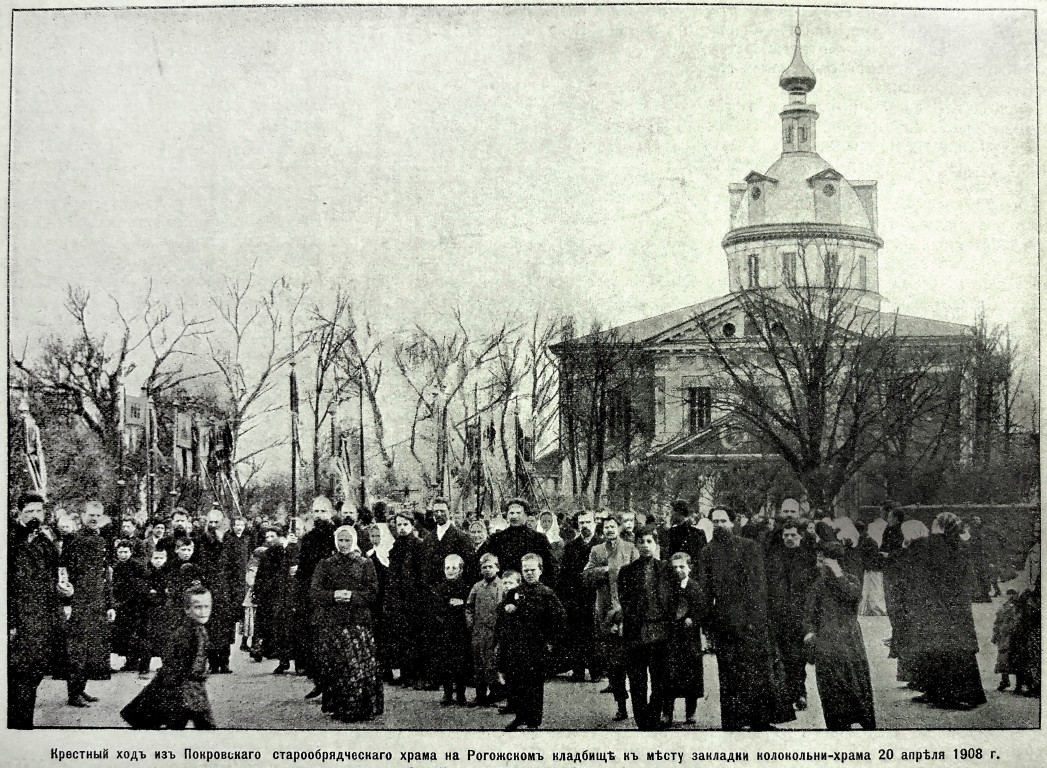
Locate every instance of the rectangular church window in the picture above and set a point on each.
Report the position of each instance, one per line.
(754, 270)
(699, 408)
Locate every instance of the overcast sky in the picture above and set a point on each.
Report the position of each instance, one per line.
(529, 158)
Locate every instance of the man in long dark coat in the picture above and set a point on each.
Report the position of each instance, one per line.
(316, 545)
(211, 556)
(445, 539)
(510, 545)
(831, 626)
(731, 577)
(647, 590)
(407, 596)
(92, 611)
(238, 545)
(681, 536)
(274, 591)
(579, 600)
(892, 546)
(790, 573)
(32, 608)
(531, 618)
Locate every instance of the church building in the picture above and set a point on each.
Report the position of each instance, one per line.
(799, 199)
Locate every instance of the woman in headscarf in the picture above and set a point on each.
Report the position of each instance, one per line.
(948, 650)
(910, 600)
(344, 591)
(549, 527)
(831, 628)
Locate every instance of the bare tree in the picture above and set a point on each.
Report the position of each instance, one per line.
(90, 368)
(256, 343)
(807, 375)
(438, 368)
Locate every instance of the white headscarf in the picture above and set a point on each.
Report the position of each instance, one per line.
(553, 532)
(355, 547)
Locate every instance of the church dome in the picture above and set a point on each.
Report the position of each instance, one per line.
(798, 189)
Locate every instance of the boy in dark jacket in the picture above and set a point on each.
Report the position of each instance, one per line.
(129, 596)
(453, 645)
(178, 693)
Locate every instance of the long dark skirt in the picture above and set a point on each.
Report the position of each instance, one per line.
(349, 672)
(844, 685)
(162, 705)
(951, 677)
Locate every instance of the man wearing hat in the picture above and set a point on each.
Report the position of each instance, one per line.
(33, 589)
(510, 545)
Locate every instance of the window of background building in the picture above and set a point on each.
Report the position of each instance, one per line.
(699, 408)
(789, 268)
(863, 273)
(754, 270)
(832, 268)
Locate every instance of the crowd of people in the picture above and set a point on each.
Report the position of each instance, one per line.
(357, 600)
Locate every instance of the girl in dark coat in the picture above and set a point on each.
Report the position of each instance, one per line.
(129, 601)
(452, 641)
(831, 625)
(948, 646)
(343, 592)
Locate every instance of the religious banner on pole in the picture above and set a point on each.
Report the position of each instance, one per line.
(183, 430)
(134, 411)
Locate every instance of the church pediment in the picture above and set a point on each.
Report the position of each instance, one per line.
(690, 331)
(755, 176)
(829, 174)
(721, 439)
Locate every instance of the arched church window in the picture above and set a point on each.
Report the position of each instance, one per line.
(803, 135)
(754, 270)
(789, 268)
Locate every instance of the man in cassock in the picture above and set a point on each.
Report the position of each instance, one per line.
(510, 545)
(731, 578)
(531, 618)
(84, 558)
(578, 600)
(316, 546)
(791, 571)
(406, 598)
(33, 589)
(647, 590)
(212, 558)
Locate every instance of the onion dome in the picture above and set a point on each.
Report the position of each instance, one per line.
(797, 79)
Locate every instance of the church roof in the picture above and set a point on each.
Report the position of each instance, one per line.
(650, 328)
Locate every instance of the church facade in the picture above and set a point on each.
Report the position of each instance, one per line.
(799, 224)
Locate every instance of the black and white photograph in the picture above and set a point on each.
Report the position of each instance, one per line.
(524, 368)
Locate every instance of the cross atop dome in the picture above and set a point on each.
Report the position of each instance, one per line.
(797, 79)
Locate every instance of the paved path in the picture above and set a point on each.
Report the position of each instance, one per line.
(253, 698)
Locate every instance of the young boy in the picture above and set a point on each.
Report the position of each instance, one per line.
(1002, 629)
(481, 614)
(178, 693)
(452, 635)
(158, 620)
(129, 597)
(530, 618)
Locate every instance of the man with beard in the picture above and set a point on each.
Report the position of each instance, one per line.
(84, 558)
(33, 588)
(731, 575)
(316, 545)
(214, 571)
(681, 536)
(238, 546)
(647, 590)
(274, 590)
(181, 526)
(578, 600)
(406, 597)
(791, 570)
(510, 545)
(445, 539)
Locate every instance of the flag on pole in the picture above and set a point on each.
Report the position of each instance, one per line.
(294, 414)
(134, 411)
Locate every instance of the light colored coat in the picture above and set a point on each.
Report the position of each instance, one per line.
(481, 612)
(601, 574)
